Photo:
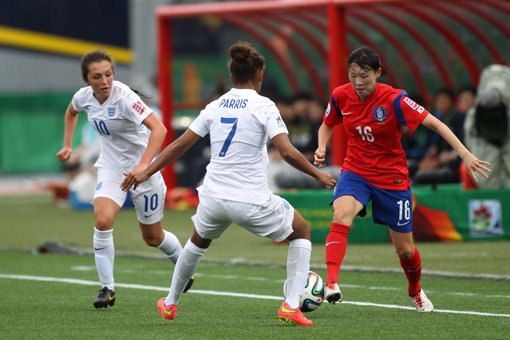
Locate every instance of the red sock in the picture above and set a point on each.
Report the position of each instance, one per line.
(336, 244)
(412, 268)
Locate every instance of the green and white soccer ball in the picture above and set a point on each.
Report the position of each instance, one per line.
(313, 294)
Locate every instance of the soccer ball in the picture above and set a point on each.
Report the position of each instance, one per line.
(313, 294)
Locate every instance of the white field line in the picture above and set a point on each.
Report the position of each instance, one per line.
(257, 278)
(209, 292)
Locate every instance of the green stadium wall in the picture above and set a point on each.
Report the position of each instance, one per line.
(32, 128)
(446, 213)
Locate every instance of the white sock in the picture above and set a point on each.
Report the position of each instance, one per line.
(298, 266)
(184, 269)
(170, 246)
(104, 252)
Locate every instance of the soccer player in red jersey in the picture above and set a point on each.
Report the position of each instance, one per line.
(375, 166)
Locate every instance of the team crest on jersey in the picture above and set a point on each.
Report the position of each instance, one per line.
(380, 114)
(111, 111)
(327, 110)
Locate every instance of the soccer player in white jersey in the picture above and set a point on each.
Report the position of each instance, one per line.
(124, 123)
(235, 188)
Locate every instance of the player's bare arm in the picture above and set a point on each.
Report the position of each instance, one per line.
(167, 156)
(472, 163)
(156, 139)
(325, 133)
(70, 121)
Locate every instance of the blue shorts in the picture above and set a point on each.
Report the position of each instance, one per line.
(392, 208)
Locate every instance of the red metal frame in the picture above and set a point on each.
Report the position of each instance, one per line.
(421, 39)
(166, 86)
(463, 52)
(331, 17)
(289, 75)
(300, 30)
(456, 16)
(317, 86)
(398, 45)
(489, 18)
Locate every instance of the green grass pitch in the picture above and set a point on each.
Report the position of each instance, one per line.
(238, 285)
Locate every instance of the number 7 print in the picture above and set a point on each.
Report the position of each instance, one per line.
(227, 142)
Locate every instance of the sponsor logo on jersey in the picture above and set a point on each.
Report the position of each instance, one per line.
(99, 185)
(328, 109)
(111, 111)
(413, 105)
(380, 114)
(279, 122)
(139, 107)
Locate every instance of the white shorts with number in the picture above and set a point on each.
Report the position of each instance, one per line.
(273, 219)
(148, 198)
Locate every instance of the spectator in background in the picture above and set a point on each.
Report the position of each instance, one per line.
(441, 163)
(315, 114)
(281, 174)
(466, 98)
(416, 144)
(294, 113)
(487, 127)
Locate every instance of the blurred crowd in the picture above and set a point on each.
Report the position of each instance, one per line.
(479, 116)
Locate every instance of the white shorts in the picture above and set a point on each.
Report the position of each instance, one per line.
(273, 219)
(148, 198)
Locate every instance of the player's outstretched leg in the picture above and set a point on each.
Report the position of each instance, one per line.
(412, 269)
(336, 245)
(104, 254)
(298, 267)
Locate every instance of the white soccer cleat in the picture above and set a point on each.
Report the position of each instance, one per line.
(422, 302)
(333, 293)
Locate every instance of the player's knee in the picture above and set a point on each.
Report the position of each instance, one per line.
(405, 252)
(342, 217)
(103, 222)
(152, 241)
(301, 230)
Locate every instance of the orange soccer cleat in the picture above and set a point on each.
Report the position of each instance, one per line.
(291, 315)
(168, 312)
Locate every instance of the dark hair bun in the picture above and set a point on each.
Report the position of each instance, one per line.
(240, 52)
(246, 62)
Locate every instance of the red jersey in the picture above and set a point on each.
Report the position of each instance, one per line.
(372, 127)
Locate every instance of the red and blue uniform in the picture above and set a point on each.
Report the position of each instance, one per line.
(372, 126)
(375, 166)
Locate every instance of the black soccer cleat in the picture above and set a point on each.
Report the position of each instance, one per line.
(105, 298)
(189, 284)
